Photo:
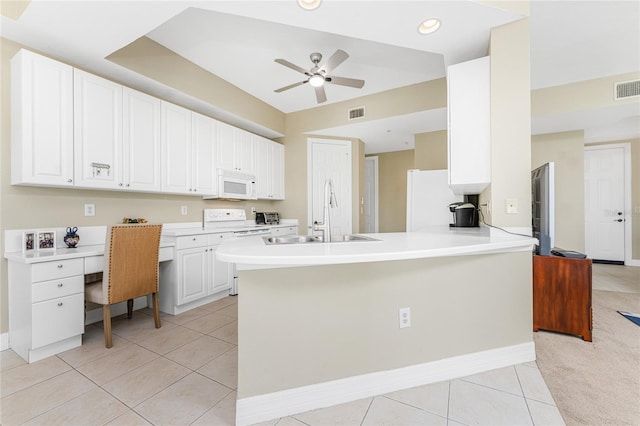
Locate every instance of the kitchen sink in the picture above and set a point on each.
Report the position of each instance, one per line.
(314, 239)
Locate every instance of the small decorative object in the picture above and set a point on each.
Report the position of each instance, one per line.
(134, 220)
(71, 238)
(47, 240)
(28, 242)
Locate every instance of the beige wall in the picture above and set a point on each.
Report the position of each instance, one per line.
(510, 126)
(566, 150)
(431, 150)
(346, 317)
(392, 189)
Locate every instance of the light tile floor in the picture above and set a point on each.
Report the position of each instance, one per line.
(185, 373)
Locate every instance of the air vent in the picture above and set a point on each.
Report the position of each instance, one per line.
(627, 89)
(356, 113)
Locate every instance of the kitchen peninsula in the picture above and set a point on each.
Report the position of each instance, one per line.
(320, 323)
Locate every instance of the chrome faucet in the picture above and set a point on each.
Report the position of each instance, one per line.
(329, 201)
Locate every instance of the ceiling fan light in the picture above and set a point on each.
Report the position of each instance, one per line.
(309, 4)
(429, 26)
(316, 80)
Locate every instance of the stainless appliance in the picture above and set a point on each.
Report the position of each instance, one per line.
(235, 221)
(465, 215)
(267, 218)
(234, 185)
(428, 196)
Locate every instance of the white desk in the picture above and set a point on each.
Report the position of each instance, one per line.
(46, 297)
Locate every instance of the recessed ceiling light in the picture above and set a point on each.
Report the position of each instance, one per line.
(429, 26)
(309, 4)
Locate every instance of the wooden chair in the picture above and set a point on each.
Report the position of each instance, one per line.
(130, 271)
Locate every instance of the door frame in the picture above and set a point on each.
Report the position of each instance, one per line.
(328, 141)
(628, 214)
(374, 159)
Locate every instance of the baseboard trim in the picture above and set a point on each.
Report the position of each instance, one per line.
(608, 262)
(4, 341)
(632, 262)
(265, 407)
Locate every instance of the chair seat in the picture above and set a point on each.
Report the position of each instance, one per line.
(93, 293)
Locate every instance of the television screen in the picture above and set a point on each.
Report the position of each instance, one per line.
(542, 207)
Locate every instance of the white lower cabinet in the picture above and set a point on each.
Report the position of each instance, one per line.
(194, 278)
(46, 307)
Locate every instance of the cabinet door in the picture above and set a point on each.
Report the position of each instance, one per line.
(141, 142)
(469, 132)
(263, 168)
(225, 144)
(203, 154)
(97, 131)
(277, 171)
(193, 274)
(219, 273)
(41, 121)
(57, 319)
(176, 149)
(245, 152)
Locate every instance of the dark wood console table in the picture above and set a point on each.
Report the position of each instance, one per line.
(562, 295)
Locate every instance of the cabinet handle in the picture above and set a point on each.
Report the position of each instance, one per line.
(60, 285)
(194, 189)
(194, 238)
(69, 180)
(59, 303)
(60, 266)
(120, 184)
(127, 185)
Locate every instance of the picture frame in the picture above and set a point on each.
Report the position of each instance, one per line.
(29, 239)
(46, 240)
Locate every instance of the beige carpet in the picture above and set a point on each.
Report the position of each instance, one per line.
(596, 383)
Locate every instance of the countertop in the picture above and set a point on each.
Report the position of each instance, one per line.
(191, 230)
(253, 253)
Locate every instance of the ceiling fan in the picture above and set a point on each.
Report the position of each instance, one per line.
(318, 74)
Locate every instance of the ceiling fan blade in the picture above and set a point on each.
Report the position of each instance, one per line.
(290, 65)
(343, 81)
(291, 86)
(336, 59)
(321, 96)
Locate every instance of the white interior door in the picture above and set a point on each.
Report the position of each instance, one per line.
(330, 159)
(604, 180)
(371, 195)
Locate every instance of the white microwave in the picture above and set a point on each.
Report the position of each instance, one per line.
(234, 185)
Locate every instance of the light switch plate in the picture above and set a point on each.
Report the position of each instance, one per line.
(89, 209)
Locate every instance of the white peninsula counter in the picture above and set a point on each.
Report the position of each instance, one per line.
(319, 323)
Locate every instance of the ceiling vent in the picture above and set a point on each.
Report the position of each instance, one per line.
(356, 113)
(627, 89)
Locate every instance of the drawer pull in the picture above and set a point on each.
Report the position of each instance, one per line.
(59, 303)
(60, 266)
(60, 285)
(194, 238)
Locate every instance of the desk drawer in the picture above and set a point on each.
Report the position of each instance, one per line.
(215, 239)
(46, 271)
(191, 241)
(57, 288)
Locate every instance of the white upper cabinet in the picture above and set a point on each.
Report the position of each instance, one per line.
(176, 149)
(188, 151)
(236, 149)
(97, 131)
(269, 169)
(141, 142)
(203, 152)
(469, 130)
(41, 121)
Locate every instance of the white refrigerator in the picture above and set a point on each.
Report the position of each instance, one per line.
(428, 199)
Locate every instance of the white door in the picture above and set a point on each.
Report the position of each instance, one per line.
(604, 170)
(203, 134)
(193, 274)
(176, 149)
(330, 159)
(371, 195)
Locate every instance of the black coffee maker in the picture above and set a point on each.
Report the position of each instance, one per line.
(465, 213)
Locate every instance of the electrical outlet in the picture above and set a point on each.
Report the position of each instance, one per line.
(404, 315)
(512, 205)
(253, 210)
(89, 209)
(183, 210)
